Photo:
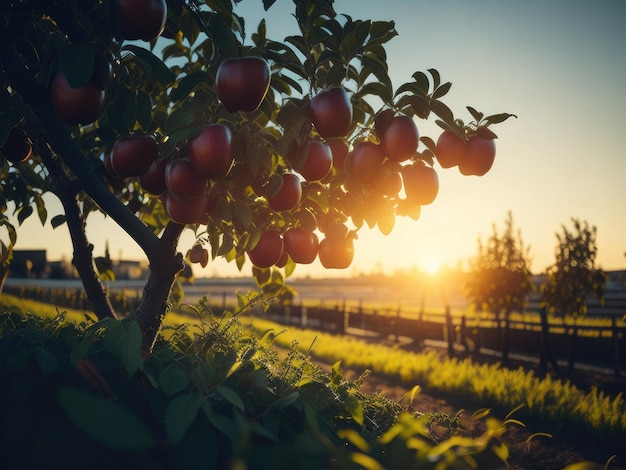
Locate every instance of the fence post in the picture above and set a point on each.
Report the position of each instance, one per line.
(450, 331)
(344, 319)
(572, 347)
(615, 332)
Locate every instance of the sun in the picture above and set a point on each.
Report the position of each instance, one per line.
(432, 265)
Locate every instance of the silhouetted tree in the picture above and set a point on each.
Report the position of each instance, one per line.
(574, 275)
(500, 279)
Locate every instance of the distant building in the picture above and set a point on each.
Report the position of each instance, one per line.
(124, 269)
(29, 264)
(34, 264)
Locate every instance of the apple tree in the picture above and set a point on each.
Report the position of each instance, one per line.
(500, 280)
(574, 275)
(168, 116)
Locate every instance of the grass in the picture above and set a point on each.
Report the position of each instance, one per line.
(550, 400)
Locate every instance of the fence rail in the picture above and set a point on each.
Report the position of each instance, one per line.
(575, 343)
(583, 343)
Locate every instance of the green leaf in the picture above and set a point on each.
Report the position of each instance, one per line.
(172, 380)
(57, 220)
(77, 62)
(287, 400)
(180, 414)
(378, 89)
(231, 396)
(442, 90)
(41, 208)
(485, 132)
(498, 118)
(355, 408)
(46, 361)
(24, 213)
(422, 82)
(187, 84)
(436, 78)
(124, 341)
(417, 103)
(158, 70)
(144, 110)
(429, 143)
(475, 114)
(177, 120)
(261, 275)
(443, 112)
(268, 3)
(336, 377)
(106, 421)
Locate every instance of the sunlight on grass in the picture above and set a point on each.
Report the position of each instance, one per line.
(548, 398)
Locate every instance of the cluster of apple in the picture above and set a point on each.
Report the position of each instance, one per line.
(133, 20)
(379, 165)
(473, 156)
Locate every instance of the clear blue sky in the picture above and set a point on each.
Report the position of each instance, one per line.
(560, 65)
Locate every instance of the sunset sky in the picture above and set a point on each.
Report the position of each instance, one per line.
(559, 65)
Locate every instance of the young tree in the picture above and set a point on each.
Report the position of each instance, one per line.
(574, 275)
(500, 279)
(199, 126)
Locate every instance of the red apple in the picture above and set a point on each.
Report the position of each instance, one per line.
(242, 83)
(268, 250)
(450, 149)
(80, 105)
(389, 181)
(142, 19)
(366, 161)
(421, 183)
(153, 180)
(16, 148)
(301, 245)
(182, 179)
(480, 155)
(336, 252)
(331, 112)
(132, 155)
(210, 151)
(399, 138)
(318, 163)
(188, 211)
(288, 196)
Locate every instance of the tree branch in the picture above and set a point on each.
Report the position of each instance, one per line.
(83, 250)
(38, 98)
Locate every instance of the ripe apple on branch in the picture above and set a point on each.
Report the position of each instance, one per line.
(270, 151)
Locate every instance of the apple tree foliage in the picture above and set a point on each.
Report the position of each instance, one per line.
(500, 280)
(574, 275)
(166, 87)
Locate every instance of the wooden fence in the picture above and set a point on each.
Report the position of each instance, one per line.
(602, 346)
(582, 343)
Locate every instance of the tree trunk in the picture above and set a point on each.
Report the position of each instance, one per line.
(572, 348)
(165, 264)
(82, 258)
(545, 354)
(505, 337)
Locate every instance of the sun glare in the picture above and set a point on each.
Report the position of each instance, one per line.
(432, 265)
